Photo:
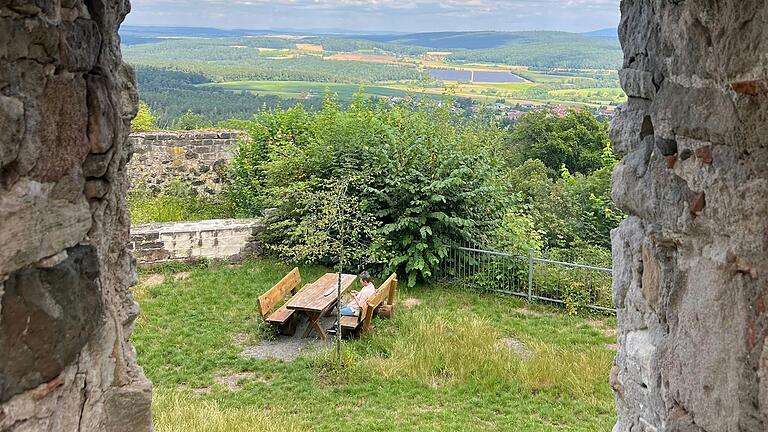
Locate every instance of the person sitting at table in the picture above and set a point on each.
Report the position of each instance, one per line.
(359, 297)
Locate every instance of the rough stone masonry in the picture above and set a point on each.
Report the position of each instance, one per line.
(196, 159)
(66, 100)
(691, 261)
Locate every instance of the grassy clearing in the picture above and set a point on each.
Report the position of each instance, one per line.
(593, 95)
(440, 365)
(146, 208)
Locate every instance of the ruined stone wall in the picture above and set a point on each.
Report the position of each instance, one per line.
(691, 261)
(66, 100)
(197, 159)
(229, 240)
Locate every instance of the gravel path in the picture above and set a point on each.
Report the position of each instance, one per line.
(288, 348)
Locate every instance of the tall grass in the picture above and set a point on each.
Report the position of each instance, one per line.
(439, 349)
(176, 203)
(180, 412)
(579, 372)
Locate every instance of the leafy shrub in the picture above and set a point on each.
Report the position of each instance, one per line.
(191, 121)
(575, 141)
(427, 177)
(145, 120)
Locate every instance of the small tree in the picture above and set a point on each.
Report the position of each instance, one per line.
(145, 120)
(338, 230)
(192, 121)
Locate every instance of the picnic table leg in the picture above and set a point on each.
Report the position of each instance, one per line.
(314, 322)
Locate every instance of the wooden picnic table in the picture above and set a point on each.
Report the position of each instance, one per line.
(318, 298)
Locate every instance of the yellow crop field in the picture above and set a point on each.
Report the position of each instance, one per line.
(316, 48)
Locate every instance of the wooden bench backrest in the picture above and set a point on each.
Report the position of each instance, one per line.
(270, 298)
(385, 292)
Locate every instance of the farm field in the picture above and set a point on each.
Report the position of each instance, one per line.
(302, 89)
(593, 95)
(474, 76)
(449, 360)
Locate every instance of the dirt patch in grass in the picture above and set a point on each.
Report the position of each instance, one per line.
(232, 381)
(516, 347)
(531, 312)
(410, 302)
(607, 330)
(181, 276)
(241, 339)
(154, 280)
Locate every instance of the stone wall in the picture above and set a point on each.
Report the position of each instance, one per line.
(66, 101)
(197, 158)
(226, 239)
(691, 261)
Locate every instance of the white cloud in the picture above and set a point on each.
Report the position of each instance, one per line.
(396, 15)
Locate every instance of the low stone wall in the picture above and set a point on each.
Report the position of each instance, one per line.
(224, 239)
(196, 158)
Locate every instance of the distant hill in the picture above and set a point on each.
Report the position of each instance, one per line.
(543, 49)
(446, 40)
(478, 40)
(134, 35)
(547, 49)
(606, 33)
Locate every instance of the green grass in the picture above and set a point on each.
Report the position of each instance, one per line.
(591, 95)
(294, 89)
(181, 412)
(439, 365)
(175, 204)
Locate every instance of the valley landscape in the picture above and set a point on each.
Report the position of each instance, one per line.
(512, 71)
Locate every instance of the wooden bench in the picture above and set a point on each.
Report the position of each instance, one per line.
(385, 293)
(282, 317)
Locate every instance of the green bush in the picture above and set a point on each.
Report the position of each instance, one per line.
(576, 141)
(145, 119)
(428, 177)
(191, 121)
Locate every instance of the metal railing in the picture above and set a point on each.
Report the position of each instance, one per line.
(530, 277)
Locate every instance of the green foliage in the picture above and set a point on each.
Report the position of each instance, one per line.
(517, 234)
(145, 120)
(567, 210)
(576, 140)
(192, 121)
(427, 178)
(549, 50)
(338, 229)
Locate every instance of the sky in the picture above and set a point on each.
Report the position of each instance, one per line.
(380, 15)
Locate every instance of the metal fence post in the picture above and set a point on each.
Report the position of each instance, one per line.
(530, 275)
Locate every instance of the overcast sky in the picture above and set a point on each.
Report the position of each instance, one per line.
(380, 15)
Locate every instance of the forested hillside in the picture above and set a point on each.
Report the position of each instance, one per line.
(170, 94)
(237, 59)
